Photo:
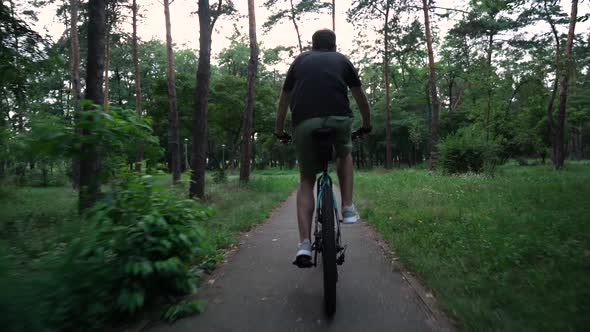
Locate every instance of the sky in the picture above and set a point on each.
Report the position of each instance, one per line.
(185, 24)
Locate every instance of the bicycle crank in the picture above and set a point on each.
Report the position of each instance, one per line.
(340, 255)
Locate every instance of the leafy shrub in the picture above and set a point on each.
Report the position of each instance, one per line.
(115, 136)
(139, 250)
(220, 176)
(467, 151)
(182, 309)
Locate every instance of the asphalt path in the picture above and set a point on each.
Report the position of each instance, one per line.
(258, 289)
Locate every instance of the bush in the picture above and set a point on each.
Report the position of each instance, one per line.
(138, 251)
(115, 136)
(220, 176)
(467, 151)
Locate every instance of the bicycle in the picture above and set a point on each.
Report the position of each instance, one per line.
(327, 233)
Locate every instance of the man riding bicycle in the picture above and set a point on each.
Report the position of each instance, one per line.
(316, 91)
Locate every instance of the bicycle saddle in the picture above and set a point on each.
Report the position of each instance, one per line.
(324, 139)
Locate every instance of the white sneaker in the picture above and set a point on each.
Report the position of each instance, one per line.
(303, 257)
(349, 215)
(304, 248)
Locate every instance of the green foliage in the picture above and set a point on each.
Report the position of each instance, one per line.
(138, 251)
(14, 28)
(115, 130)
(220, 176)
(296, 10)
(467, 151)
(183, 309)
(234, 59)
(240, 207)
(502, 253)
(69, 275)
(115, 134)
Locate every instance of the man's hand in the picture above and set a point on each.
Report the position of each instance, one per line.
(361, 132)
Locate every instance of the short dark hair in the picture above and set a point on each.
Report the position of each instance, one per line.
(324, 40)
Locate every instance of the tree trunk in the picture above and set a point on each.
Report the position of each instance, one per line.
(246, 148)
(136, 74)
(579, 150)
(559, 128)
(197, 186)
(61, 95)
(433, 92)
(118, 79)
(20, 99)
(334, 16)
(107, 63)
(75, 83)
(174, 137)
(489, 77)
(550, 105)
(89, 162)
(451, 83)
(388, 157)
(19, 95)
(551, 122)
(294, 20)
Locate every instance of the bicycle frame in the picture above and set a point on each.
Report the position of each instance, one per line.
(323, 183)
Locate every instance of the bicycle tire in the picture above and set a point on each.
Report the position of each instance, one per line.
(329, 251)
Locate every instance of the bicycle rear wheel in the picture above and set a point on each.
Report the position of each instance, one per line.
(329, 251)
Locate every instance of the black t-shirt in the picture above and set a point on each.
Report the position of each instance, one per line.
(320, 81)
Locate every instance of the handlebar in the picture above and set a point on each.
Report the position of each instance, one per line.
(360, 133)
(284, 138)
(355, 135)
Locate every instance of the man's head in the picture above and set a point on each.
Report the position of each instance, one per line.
(323, 40)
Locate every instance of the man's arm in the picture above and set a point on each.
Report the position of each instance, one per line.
(284, 102)
(361, 100)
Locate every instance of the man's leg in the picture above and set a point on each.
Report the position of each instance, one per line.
(344, 169)
(305, 206)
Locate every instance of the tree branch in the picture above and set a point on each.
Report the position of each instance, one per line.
(445, 8)
(217, 14)
(372, 4)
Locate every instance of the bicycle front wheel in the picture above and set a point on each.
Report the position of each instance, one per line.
(329, 251)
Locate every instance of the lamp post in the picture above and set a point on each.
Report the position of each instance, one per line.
(223, 156)
(186, 153)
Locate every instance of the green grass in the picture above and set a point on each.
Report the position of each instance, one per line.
(37, 224)
(239, 207)
(37, 221)
(503, 253)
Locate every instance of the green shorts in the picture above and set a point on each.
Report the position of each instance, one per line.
(307, 157)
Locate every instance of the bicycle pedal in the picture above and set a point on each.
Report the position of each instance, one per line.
(303, 262)
(340, 259)
(341, 250)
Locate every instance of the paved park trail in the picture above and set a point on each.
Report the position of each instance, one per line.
(258, 288)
